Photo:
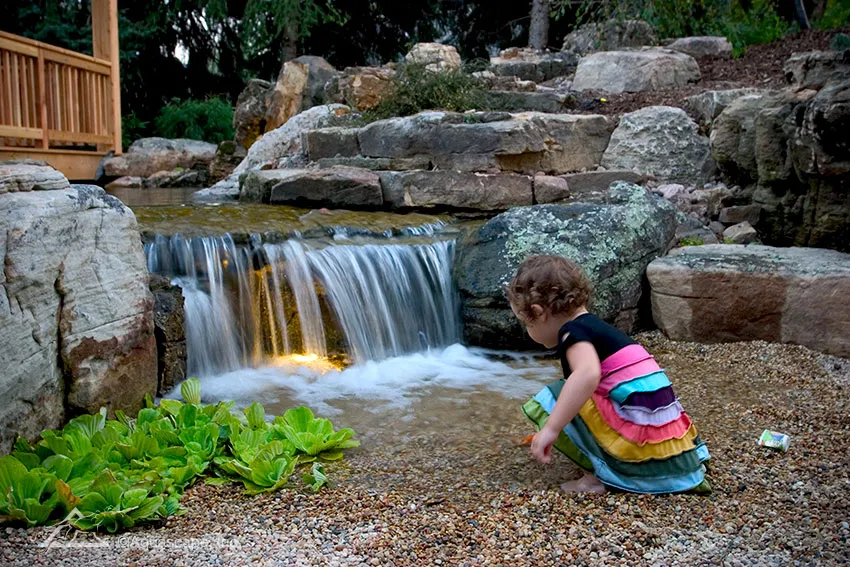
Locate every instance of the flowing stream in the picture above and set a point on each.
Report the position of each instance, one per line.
(250, 305)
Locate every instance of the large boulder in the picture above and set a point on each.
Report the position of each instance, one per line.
(435, 56)
(455, 190)
(523, 143)
(335, 186)
(708, 105)
(170, 333)
(813, 70)
(76, 315)
(609, 36)
(742, 293)
(792, 148)
(648, 69)
(533, 65)
(287, 96)
(364, 88)
(660, 141)
(613, 241)
(252, 107)
(319, 73)
(150, 155)
(29, 175)
(703, 46)
(553, 102)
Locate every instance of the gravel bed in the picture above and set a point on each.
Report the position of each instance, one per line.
(455, 487)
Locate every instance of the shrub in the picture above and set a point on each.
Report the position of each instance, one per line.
(114, 474)
(840, 42)
(132, 128)
(416, 89)
(836, 14)
(208, 120)
(691, 241)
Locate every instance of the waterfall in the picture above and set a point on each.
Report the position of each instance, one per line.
(247, 305)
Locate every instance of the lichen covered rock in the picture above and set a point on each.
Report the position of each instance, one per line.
(613, 241)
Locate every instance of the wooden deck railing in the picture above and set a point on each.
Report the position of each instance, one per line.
(55, 98)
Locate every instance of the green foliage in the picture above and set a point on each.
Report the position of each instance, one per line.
(836, 14)
(691, 241)
(840, 42)
(114, 474)
(416, 89)
(759, 24)
(208, 120)
(132, 128)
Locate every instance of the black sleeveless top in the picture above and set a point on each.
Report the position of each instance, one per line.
(606, 339)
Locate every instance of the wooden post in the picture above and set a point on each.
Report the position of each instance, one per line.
(42, 101)
(104, 18)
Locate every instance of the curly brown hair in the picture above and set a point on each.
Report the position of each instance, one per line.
(553, 282)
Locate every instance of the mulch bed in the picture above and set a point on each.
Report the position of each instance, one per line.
(760, 67)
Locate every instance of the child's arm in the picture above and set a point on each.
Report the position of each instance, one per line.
(585, 376)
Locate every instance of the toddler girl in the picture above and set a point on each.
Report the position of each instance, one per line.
(614, 413)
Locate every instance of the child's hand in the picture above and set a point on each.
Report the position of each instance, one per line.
(541, 445)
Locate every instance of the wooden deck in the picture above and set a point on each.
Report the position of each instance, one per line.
(60, 106)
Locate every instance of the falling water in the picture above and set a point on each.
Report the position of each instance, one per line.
(386, 300)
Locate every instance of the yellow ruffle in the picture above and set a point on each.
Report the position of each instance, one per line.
(621, 448)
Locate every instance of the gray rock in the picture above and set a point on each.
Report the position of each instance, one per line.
(813, 70)
(532, 65)
(455, 190)
(703, 46)
(286, 140)
(518, 101)
(336, 186)
(702, 204)
(733, 137)
(224, 191)
(741, 233)
(377, 164)
(523, 143)
(709, 104)
(648, 69)
(743, 293)
(660, 141)
(319, 72)
(691, 231)
(739, 214)
(331, 143)
(249, 117)
(549, 189)
(170, 333)
(25, 175)
(177, 178)
(592, 185)
(435, 56)
(609, 36)
(76, 315)
(150, 155)
(126, 183)
(716, 227)
(612, 241)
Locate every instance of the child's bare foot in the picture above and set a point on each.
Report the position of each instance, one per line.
(587, 483)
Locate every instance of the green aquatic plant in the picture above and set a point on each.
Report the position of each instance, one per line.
(111, 474)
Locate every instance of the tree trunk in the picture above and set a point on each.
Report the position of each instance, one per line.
(802, 17)
(538, 32)
(290, 41)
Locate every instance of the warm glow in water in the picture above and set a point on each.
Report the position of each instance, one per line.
(310, 361)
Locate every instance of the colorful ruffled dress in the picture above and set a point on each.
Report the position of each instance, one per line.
(633, 433)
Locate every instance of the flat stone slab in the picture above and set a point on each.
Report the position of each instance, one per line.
(27, 175)
(455, 190)
(648, 69)
(335, 186)
(722, 293)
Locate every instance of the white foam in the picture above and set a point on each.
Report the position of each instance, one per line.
(390, 384)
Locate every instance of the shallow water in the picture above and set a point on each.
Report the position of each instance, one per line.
(436, 390)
